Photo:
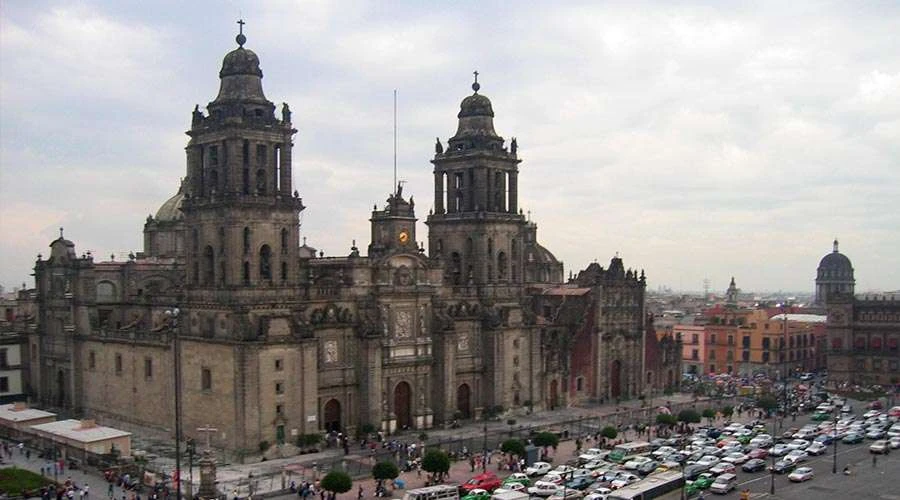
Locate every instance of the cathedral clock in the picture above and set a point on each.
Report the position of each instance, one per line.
(403, 237)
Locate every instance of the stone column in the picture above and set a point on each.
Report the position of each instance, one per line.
(513, 191)
(438, 192)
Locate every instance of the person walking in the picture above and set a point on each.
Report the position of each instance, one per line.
(359, 494)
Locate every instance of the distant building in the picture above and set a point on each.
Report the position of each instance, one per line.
(834, 276)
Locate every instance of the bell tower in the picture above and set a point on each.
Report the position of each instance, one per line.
(476, 226)
(241, 212)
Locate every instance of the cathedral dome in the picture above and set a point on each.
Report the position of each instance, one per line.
(240, 61)
(475, 105)
(835, 264)
(170, 211)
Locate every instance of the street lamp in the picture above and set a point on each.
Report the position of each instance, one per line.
(172, 314)
(484, 450)
(834, 441)
(772, 470)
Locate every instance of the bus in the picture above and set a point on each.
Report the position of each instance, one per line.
(437, 492)
(662, 485)
(626, 451)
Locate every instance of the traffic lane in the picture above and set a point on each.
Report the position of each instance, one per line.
(837, 486)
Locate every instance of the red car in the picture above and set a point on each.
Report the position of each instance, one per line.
(486, 481)
(758, 453)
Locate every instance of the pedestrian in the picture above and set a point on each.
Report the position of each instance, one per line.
(86, 490)
(359, 494)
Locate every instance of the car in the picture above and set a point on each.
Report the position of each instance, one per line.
(846, 409)
(477, 494)
(875, 433)
(783, 466)
(852, 438)
(894, 442)
(599, 494)
(562, 469)
(486, 481)
(592, 454)
(757, 453)
(594, 464)
(871, 414)
(543, 489)
(825, 439)
(816, 448)
(553, 477)
(566, 494)
(704, 481)
(694, 470)
(709, 460)
(517, 477)
(623, 480)
(754, 465)
(538, 469)
(663, 451)
(779, 450)
(881, 446)
(807, 376)
(579, 483)
(506, 487)
(647, 467)
(722, 467)
(737, 458)
(798, 444)
(801, 474)
(636, 461)
(797, 456)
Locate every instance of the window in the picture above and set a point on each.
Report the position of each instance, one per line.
(279, 409)
(265, 264)
(260, 154)
(279, 365)
(745, 356)
(213, 155)
(118, 364)
(712, 354)
(712, 339)
(4, 359)
(205, 379)
(766, 342)
(765, 357)
(92, 360)
(579, 384)
(246, 240)
(892, 344)
(712, 368)
(837, 344)
(695, 354)
(875, 343)
(148, 367)
(695, 339)
(731, 340)
(4, 384)
(730, 356)
(279, 387)
(859, 343)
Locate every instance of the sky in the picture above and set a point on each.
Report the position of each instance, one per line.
(698, 140)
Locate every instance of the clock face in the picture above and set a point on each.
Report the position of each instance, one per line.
(403, 236)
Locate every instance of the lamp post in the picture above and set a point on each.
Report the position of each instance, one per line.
(772, 470)
(484, 450)
(834, 441)
(176, 353)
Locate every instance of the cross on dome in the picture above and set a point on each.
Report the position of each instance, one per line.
(240, 38)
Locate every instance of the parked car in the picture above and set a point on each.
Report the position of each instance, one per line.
(797, 456)
(754, 465)
(881, 447)
(801, 474)
(486, 481)
(737, 458)
(783, 466)
(757, 453)
(852, 438)
(894, 442)
(543, 489)
(722, 467)
(517, 477)
(477, 494)
(538, 469)
(816, 448)
(623, 480)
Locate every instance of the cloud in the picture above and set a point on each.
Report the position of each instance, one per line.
(699, 141)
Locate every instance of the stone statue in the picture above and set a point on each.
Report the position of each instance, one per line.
(285, 113)
(513, 146)
(438, 147)
(197, 115)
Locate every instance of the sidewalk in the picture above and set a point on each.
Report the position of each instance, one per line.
(98, 487)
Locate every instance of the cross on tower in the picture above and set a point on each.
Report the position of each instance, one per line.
(208, 431)
(476, 86)
(476, 76)
(241, 27)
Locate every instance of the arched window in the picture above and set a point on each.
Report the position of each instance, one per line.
(246, 240)
(455, 268)
(245, 181)
(209, 265)
(261, 185)
(265, 263)
(502, 265)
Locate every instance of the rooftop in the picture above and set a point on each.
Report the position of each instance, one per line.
(77, 431)
(17, 412)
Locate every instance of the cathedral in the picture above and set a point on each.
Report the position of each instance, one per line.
(277, 340)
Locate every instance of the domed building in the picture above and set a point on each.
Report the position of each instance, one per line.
(278, 340)
(833, 276)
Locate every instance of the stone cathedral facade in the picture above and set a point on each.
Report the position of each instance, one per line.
(279, 340)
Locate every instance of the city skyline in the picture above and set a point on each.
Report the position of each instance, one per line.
(667, 130)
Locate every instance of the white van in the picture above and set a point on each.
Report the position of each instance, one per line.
(723, 484)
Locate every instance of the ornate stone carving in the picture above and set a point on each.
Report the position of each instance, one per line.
(331, 351)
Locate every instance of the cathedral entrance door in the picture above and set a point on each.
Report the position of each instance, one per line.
(332, 416)
(554, 395)
(402, 407)
(615, 379)
(464, 402)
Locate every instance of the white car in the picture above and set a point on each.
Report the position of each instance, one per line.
(801, 474)
(592, 454)
(779, 450)
(816, 448)
(598, 494)
(563, 469)
(623, 480)
(736, 458)
(797, 456)
(538, 469)
(636, 462)
(708, 460)
(798, 444)
(663, 451)
(543, 489)
(723, 468)
(511, 487)
(594, 464)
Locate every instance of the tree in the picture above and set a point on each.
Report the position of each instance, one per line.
(689, 416)
(709, 414)
(609, 432)
(727, 411)
(436, 462)
(666, 419)
(337, 482)
(513, 447)
(767, 402)
(385, 470)
(545, 439)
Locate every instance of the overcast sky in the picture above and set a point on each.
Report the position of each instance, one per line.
(697, 140)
